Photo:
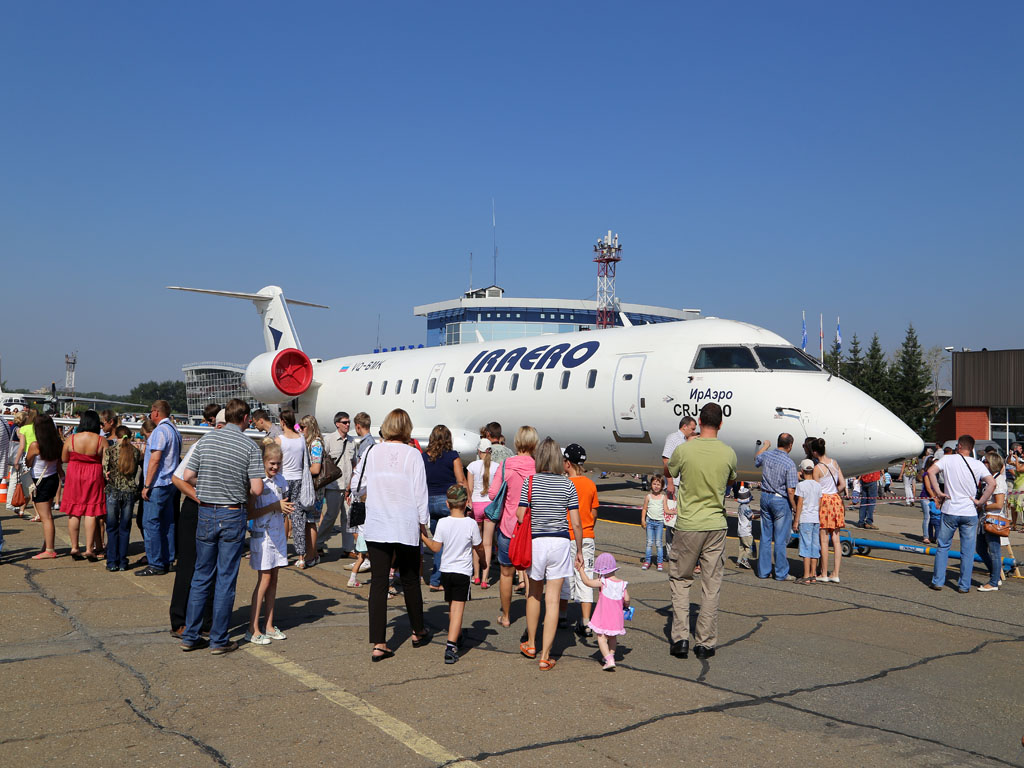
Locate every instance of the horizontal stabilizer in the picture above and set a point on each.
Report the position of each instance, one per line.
(247, 296)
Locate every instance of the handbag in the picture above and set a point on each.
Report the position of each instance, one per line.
(18, 497)
(357, 509)
(329, 471)
(493, 510)
(520, 548)
(307, 494)
(996, 525)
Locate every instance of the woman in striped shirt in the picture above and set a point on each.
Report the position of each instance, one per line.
(549, 495)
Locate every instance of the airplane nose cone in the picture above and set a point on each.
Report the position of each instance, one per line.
(886, 437)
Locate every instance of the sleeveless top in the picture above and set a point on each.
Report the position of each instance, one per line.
(292, 449)
(656, 508)
(828, 480)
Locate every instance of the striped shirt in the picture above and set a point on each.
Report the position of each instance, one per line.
(548, 501)
(224, 461)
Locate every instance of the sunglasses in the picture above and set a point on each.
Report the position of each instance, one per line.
(341, 422)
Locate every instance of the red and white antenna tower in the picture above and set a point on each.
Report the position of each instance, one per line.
(607, 250)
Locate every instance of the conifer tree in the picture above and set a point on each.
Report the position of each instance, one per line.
(854, 363)
(875, 373)
(910, 379)
(832, 361)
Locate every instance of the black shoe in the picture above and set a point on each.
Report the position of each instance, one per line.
(149, 570)
(200, 643)
(703, 652)
(424, 639)
(451, 654)
(563, 623)
(680, 649)
(936, 587)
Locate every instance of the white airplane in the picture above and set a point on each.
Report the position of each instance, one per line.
(617, 392)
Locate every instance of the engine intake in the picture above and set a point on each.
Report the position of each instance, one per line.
(276, 377)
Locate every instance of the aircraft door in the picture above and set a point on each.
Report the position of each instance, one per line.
(626, 398)
(431, 385)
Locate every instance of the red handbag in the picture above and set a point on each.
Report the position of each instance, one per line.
(520, 548)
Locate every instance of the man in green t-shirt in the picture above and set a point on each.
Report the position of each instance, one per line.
(705, 465)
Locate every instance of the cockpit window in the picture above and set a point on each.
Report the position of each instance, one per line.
(786, 359)
(709, 358)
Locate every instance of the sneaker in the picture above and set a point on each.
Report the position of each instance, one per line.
(352, 581)
(661, 567)
(988, 588)
(365, 566)
(609, 663)
(451, 654)
(743, 563)
(644, 565)
(276, 634)
(834, 579)
(257, 639)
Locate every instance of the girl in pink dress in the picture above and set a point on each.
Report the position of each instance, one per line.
(608, 621)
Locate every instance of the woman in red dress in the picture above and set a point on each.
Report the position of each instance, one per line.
(84, 487)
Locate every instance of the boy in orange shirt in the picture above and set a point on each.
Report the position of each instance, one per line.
(574, 586)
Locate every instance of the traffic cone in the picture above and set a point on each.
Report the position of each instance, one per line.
(3, 489)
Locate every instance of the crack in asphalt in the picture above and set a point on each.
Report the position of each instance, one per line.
(153, 701)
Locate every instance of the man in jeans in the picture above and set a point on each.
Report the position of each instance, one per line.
(341, 448)
(163, 452)
(868, 499)
(705, 466)
(226, 467)
(959, 508)
(778, 485)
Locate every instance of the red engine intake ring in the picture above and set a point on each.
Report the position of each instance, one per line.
(292, 372)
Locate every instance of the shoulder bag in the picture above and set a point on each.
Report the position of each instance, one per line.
(357, 509)
(520, 548)
(493, 510)
(307, 493)
(329, 470)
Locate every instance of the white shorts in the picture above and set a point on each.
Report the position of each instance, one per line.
(550, 559)
(574, 588)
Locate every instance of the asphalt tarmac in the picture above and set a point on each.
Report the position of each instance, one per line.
(876, 670)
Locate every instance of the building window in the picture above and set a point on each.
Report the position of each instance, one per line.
(398, 387)
(538, 381)
(369, 386)
(451, 384)
(513, 382)
(565, 379)
(591, 378)
(469, 383)
(384, 387)
(433, 386)
(490, 383)
(415, 385)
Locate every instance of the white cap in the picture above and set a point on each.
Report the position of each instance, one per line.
(484, 445)
(222, 417)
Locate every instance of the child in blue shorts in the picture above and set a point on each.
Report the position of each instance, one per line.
(805, 521)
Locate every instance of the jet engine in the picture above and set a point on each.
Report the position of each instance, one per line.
(276, 377)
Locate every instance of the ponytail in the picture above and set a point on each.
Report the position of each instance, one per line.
(126, 463)
(487, 470)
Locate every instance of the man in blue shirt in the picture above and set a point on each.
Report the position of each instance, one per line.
(163, 452)
(778, 484)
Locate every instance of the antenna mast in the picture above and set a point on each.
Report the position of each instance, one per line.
(607, 250)
(69, 381)
(494, 237)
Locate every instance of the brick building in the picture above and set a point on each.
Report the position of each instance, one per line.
(988, 397)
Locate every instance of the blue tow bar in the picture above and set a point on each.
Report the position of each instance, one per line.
(852, 546)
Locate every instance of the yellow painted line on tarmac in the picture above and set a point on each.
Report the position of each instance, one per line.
(403, 733)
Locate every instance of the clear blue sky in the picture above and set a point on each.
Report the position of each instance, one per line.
(757, 159)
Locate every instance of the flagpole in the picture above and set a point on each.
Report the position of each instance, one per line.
(821, 337)
(839, 348)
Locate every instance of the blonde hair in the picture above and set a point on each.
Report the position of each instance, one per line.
(526, 440)
(147, 427)
(995, 463)
(487, 469)
(271, 450)
(549, 458)
(396, 426)
(311, 430)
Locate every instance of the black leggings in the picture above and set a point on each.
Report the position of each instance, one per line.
(407, 561)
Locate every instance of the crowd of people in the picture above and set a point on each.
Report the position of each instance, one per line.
(531, 507)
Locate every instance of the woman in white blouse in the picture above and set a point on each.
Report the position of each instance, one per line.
(394, 485)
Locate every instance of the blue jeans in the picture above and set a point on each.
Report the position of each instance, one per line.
(158, 526)
(438, 507)
(220, 537)
(655, 532)
(869, 496)
(119, 528)
(926, 513)
(991, 554)
(968, 528)
(776, 527)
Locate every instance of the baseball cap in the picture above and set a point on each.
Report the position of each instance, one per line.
(457, 494)
(483, 445)
(222, 417)
(574, 453)
(806, 465)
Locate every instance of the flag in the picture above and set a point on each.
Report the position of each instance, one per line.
(839, 339)
(803, 338)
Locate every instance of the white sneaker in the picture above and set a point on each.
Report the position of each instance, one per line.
(257, 639)
(365, 566)
(834, 579)
(988, 588)
(276, 634)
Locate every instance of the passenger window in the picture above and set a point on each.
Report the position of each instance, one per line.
(591, 378)
(384, 388)
(369, 388)
(565, 379)
(539, 381)
(490, 383)
(433, 386)
(415, 385)
(398, 387)
(709, 358)
(513, 382)
(451, 384)
(469, 383)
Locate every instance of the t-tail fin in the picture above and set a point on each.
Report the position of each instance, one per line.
(278, 329)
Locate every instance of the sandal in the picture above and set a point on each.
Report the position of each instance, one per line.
(520, 590)
(300, 564)
(476, 581)
(485, 584)
(392, 592)
(528, 651)
(36, 519)
(77, 555)
(547, 664)
(379, 654)
(503, 622)
(419, 639)
(45, 555)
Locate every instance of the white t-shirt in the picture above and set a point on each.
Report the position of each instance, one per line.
(962, 476)
(292, 449)
(459, 535)
(476, 469)
(810, 492)
(180, 471)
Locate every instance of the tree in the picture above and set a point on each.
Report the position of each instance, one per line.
(911, 380)
(854, 363)
(832, 361)
(171, 391)
(875, 373)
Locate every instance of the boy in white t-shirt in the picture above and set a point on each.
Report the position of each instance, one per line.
(460, 537)
(806, 522)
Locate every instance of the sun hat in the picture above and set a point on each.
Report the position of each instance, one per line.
(484, 445)
(605, 564)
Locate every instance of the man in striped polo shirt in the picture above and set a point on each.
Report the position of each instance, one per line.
(226, 467)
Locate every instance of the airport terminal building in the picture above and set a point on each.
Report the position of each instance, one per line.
(213, 382)
(486, 314)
